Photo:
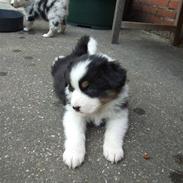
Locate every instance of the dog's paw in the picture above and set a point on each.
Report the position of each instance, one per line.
(26, 29)
(46, 35)
(113, 154)
(73, 158)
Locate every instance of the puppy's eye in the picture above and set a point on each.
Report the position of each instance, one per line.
(71, 88)
(84, 84)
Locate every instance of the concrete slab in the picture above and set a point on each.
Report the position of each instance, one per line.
(31, 143)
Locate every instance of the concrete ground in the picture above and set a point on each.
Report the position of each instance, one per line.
(31, 132)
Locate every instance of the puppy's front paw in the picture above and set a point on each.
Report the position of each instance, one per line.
(113, 154)
(73, 158)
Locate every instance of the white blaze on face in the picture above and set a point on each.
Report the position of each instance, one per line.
(87, 104)
(77, 72)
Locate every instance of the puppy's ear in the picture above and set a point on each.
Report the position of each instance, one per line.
(85, 45)
(116, 74)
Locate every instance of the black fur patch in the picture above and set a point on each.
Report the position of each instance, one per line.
(55, 23)
(103, 77)
(32, 14)
(31, 10)
(31, 18)
(81, 47)
(50, 6)
(42, 11)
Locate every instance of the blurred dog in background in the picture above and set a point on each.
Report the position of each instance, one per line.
(53, 11)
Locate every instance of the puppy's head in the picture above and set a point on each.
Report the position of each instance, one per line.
(94, 81)
(86, 80)
(19, 3)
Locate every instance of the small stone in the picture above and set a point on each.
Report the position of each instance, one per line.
(146, 156)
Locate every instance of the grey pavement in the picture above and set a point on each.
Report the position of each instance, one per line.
(31, 132)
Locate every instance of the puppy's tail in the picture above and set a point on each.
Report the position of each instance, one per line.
(85, 45)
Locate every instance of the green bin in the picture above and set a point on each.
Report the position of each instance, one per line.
(97, 14)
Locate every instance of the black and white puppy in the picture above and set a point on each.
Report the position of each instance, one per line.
(93, 88)
(53, 11)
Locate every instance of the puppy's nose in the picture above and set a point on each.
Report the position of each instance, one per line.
(76, 108)
(11, 4)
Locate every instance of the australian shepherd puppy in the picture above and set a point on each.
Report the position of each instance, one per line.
(92, 88)
(53, 11)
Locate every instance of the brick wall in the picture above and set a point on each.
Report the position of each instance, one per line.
(154, 11)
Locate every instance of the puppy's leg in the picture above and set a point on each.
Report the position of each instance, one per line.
(53, 27)
(30, 17)
(114, 136)
(28, 26)
(50, 33)
(63, 26)
(74, 128)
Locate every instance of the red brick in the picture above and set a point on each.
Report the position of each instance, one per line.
(149, 9)
(164, 12)
(154, 19)
(173, 4)
(158, 2)
(169, 21)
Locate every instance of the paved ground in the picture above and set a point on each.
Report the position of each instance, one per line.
(31, 133)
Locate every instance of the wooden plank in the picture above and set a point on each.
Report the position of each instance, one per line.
(119, 10)
(146, 26)
(179, 22)
(178, 12)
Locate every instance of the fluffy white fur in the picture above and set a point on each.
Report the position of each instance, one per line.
(56, 14)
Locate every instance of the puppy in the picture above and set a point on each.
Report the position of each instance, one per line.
(92, 87)
(53, 11)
